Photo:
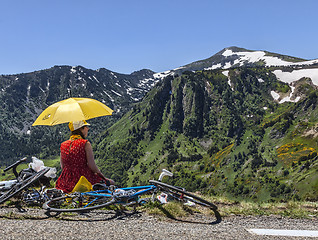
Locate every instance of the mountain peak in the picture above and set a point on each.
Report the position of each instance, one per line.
(236, 49)
(239, 57)
(143, 71)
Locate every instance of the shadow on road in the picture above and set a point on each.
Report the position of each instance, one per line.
(192, 220)
(19, 212)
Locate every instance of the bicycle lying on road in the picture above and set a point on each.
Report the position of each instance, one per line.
(24, 180)
(129, 196)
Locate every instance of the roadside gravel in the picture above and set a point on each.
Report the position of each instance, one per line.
(35, 224)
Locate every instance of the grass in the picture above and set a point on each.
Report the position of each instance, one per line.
(226, 208)
(290, 209)
(170, 210)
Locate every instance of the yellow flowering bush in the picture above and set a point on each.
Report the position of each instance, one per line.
(221, 154)
(224, 152)
(292, 152)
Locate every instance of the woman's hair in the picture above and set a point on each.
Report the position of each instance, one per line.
(78, 132)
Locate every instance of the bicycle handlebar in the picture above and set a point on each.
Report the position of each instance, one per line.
(165, 173)
(14, 166)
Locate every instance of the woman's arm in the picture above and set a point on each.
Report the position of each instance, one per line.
(92, 165)
(90, 158)
(61, 162)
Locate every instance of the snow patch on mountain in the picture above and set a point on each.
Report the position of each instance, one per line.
(113, 74)
(116, 93)
(73, 70)
(287, 98)
(253, 57)
(110, 97)
(226, 73)
(28, 91)
(289, 77)
(275, 95)
(130, 92)
(162, 75)
(146, 81)
(216, 66)
(96, 79)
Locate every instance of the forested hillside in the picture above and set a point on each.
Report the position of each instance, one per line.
(24, 96)
(241, 123)
(220, 132)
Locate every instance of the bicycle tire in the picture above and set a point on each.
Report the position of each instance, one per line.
(56, 204)
(184, 195)
(19, 186)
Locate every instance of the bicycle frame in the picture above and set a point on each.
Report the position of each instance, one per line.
(6, 185)
(9, 189)
(124, 195)
(127, 196)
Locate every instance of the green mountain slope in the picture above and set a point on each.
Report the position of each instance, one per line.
(220, 133)
(24, 96)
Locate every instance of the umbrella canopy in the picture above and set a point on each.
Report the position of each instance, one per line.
(72, 109)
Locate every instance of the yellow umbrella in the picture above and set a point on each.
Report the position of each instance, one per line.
(72, 109)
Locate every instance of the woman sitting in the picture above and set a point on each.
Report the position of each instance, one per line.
(77, 159)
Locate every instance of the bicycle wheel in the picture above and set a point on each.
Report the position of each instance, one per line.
(19, 186)
(182, 195)
(78, 202)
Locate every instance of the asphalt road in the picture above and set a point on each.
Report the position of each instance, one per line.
(35, 224)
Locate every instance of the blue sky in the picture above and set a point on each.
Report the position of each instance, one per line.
(129, 35)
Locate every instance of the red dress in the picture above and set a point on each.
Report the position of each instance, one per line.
(74, 160)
